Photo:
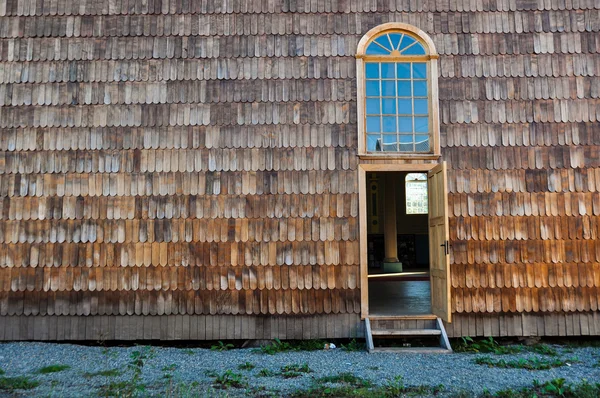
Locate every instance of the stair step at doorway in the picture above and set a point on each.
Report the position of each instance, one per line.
(416, 328)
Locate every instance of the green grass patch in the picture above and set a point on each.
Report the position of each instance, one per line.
(485, 346)
(17, 383)
(294, 370)
(52, 369)
(246, 366)
(544, 349)
(277, 346)
(552, 388)
(266, 373)
(229, 379)
(2, 371)
(220, 346)
(353, 346)
(523, 363)
(349, 385)
(102, 373)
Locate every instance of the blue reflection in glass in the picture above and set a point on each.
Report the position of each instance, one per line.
(405, 107)
(404, 88)
(389, 106)
(373, 106)
(387, 70)
(389, 124)
(406, 139)
(421, 107)
(372, 142)
(384, 41)
(422, 143)
(420, 70)
(421, 124)
(406, 42)
(420, 88)
(395, 37)
(373, 124)
(416, 49)
(374, 49)
(403, 69)
(390, 139)
(372, 70)
(388, 88)
(372, 88)
(405, 124)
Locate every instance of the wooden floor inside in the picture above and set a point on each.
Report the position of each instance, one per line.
(399, 297)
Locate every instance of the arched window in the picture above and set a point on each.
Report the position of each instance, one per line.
(415, 185)
(397, 92)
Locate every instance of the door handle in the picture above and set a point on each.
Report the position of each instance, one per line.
(446, 247)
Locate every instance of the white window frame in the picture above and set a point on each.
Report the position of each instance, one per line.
(432, 83)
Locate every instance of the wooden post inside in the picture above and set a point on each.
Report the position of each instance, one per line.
(389, 221)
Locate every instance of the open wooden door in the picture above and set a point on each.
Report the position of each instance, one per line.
(439, 248)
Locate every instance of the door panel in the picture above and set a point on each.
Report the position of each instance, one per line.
(439, 258)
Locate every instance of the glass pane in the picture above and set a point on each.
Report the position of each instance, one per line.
(420, 88)
(389, 124)
(404, 88)
(389, 106)
(403, 70)
(388, 88)
(390, 139)
(373, 88)
(407, 41)
(373, 124)
(422, 143)
(387, 70)
(372, 142)
(374, 49)
(395, 38)
(405, 124)
(421, 107)
(406, 139)
(373, 107)
(372, 70)
(406, 147)
(420, 70)
(421, 125)
(384, 42)
(416, 49)
(405, 107)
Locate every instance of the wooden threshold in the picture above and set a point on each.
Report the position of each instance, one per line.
(402, 317)
(413, 350)
(406, 332)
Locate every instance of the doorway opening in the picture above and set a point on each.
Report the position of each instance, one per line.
(398, 260)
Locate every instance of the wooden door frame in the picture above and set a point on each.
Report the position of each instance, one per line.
(362, 211)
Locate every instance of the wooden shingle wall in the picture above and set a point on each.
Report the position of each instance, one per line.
(197, 160)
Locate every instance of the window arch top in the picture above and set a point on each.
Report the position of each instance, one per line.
(395, 44)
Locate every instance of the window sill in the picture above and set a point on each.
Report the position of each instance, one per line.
(400, 156)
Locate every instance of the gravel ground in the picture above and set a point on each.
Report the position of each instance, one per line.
(191, 371)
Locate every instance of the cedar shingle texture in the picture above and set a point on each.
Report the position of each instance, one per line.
(199, 157)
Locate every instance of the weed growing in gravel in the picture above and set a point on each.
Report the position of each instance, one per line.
(353, 346)
(52, 369)
(487, 346)
(374, 368)
(169, 368)
(222, 346)
(266, 373)
(348, 385)
(229, 379)
(544, 349)
(276, 346)
(553, 388)
(102, 373)
(2, 371)
(11, 384)
(345, 378)
(188, 351)
(132, 387)
(294, 370)
(522, 363)
(246, 366)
